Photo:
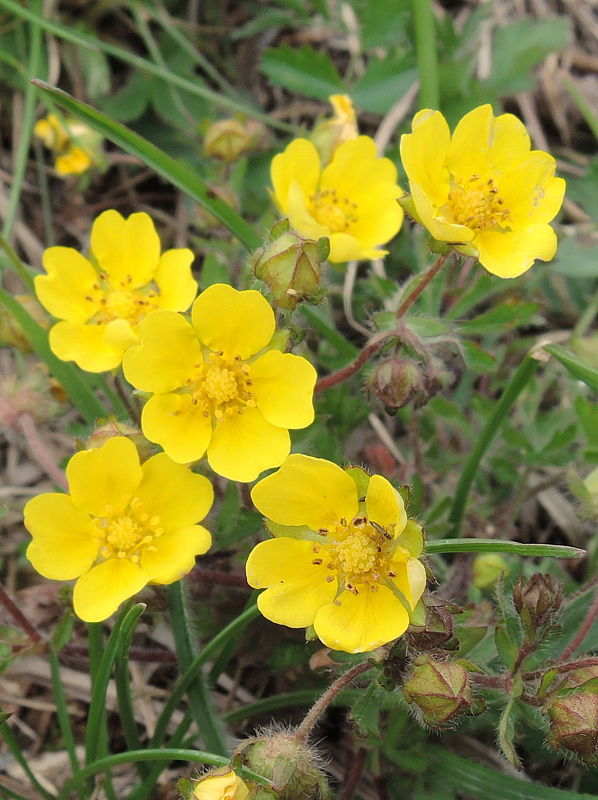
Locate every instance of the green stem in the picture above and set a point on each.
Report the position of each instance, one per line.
(502, 546)
(198, 692)
(14, 748)
(20, 166)
(427, 53)
(519, 380)
(145, 789)
(17, 265)
(63, 719)
(166, 754)
(209, 651)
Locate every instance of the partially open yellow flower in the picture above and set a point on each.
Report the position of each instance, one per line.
(102, 300)
(77, 147)
(217, 388)
(341, 560)
(121, 526)
(352, 200)
(330, 133)
(483, 190)
(221, 785)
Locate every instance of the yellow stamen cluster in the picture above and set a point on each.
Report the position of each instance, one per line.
(478, 204)
(333, 212)
(222, 386)
(120, 301)
(126, 534)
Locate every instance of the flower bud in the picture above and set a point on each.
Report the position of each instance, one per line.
(292, 766)
(220, 784)
(437, 628)
(11, 333)
(573, 724)
(487, 569)
(396, 382)
(230, 139)
(330, 133)
(440, 690)
(291, 266)
(537, 599)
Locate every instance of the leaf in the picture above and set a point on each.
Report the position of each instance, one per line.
(577, 256)
(382, 84)
(506, 731)
(574, 365)
(304, 70)
(502, 546)
(503, 317)
(583, 189)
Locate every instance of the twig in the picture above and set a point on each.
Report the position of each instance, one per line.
(346, 372)
(426, 279)
(354, 775)
(40, 452)
(18, 616)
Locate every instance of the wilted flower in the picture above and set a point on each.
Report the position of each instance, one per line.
(103, 299)
(352, 200)
(121, 526)
(340, 560)
(217, 387)
(483, 190)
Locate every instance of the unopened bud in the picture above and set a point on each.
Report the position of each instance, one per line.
(437, 628)
(573, 724)
(230, 139)
(291, 266)
(293, 767)
(220, 784)
(397, 382)
(330, 133)
(441, 691)
(537, 600)
(487, 569)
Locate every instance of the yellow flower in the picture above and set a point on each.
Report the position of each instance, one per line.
(215, 386)
(77, 147)
(102, 300)
(352, 200)
(221, 785)
(342, 560)
(483, 190)
(330, 133)
(121, 526)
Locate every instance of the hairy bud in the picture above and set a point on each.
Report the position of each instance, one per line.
(441, 691)
(573, 724)
(487, 569)
(537, 600)
(230, 139)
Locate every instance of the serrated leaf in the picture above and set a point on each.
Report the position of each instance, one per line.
(500, 318)
(304, 70)
(366, 710)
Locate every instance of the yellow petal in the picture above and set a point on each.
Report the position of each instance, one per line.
(356, 623)
(424, 153)
(344, 247)
(378, 221)
(69, 281)
(65, 543)
(175, 280)
(99, 592)
(236, 323)
(511, 253)
(299, 163)
(172, 421)
(94, 348)
(440, 228)
(245, 444)
(530, 191)
(355, 169)
(166, 354)
(384, 505)
(227, 786)
(410, 579)
(298, 587)
(300, 215)
(174, 493)
(128, 250)
(74, 162)
(307, 491)
(470, 144)
(283, 387)
(172, 555)
(103, 480)
(509, 140)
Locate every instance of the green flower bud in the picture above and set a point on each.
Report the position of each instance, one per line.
(396, 382)
(230, 139)
(573, 724)
(487, 569)
(537, 600)
(440, 690)
(291, 266)
(292, 766)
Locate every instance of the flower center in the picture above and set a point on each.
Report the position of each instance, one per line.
(127, 534)
(122, 302)
(222, 386)
(477, 205)
(333, 212)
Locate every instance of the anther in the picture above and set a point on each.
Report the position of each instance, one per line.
(317, 562)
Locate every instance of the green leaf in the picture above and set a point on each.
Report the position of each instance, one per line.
(577, 256)
(574, 365)
(502, 546)
(506, 731)
(304, 70)
(178, 173)
(501, 318)
(383, 82)
(583, 189)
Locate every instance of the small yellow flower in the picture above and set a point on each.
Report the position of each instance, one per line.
(102, 300)
(341, 560)
(352, 200)
(330, 133)
(77, 147)
(215, 386)
(221, 785)
(121, 526)
(483, 190)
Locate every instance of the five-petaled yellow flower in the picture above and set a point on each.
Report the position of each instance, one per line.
(346, 564)
(217, 387)
(352, 200)
(221, 785)
(483, 190)
(76, 146)
(121, 526)
(102, 300)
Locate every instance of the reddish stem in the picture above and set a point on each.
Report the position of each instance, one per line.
(354, 775)
(18, 616)
(40, 452)
(415, 293)
(582, 632)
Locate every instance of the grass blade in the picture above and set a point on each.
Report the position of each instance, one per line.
(502, 546)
